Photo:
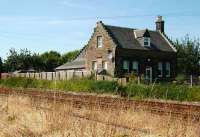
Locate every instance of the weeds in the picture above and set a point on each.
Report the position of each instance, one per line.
(62, 121)
(166, 91)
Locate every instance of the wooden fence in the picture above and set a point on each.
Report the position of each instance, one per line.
(62, 75)
(67, 75)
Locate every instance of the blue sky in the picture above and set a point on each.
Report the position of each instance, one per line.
(65, 25)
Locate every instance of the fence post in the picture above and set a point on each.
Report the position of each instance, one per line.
(66, 75)
(82, 74)
(191, 81)
(138, 80)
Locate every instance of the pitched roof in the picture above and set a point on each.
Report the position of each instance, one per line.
(128, 38)
(125, 38)
(76, 64)
(141, 33)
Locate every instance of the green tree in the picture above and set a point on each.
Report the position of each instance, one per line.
(19, 61)
(11, 63)
(50, 60)
(38, 64)
(188, 56)
(1, 66)
(25, 60)
(69, 56)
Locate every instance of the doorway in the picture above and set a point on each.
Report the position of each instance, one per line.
(148, 74)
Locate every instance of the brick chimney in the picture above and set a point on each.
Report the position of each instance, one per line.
(160, 24)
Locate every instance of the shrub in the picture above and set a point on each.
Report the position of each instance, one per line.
(180, 79)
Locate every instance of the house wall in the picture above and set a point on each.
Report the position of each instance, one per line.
(100, 54)
(142, 58)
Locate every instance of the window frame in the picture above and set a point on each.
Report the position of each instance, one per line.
(99, 41)
(168, 69)
(94, 65)
(135, 64)
(105, 65)
(160, 68)
(147, 42)
(127, 65)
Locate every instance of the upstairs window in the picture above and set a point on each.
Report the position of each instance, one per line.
(99, 42)
(94, 65)
(160, 69)
(135, 66)
(147, 42)
(126, 65)
(167, 69)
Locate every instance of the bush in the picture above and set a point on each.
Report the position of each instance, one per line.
(180, 79)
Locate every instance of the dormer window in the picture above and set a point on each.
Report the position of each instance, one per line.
(147, 41)
(99, 41)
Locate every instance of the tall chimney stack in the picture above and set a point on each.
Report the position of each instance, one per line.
(160, 24)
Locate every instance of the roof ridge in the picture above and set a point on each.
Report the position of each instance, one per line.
(119, 27)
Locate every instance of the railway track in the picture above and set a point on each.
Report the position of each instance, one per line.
(182, 110)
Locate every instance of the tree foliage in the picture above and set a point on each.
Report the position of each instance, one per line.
(1, 65)
(50, 60)
(67, 57)
(188, 56)
(47, 61)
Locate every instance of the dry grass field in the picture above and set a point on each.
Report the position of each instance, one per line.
(26, 117)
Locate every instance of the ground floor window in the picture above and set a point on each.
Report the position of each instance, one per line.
(160, 69)
(126, 65)
(94, 65)
(135, 66)
(105, 65)
(167, 69)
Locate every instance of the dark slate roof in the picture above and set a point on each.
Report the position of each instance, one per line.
(76, 64)
(126, 38)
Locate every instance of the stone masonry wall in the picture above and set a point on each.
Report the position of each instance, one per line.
(94, 53)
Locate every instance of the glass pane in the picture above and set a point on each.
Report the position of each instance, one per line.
(125, 65)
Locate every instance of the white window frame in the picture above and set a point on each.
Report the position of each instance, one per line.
(168, 68)
(94, 65)
(126, 65)
(147, 40)
(160, 67)
(99, 41)
(135, 66)
(105, 65)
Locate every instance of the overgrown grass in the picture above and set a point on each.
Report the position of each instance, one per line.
(166, 91)
(82, 85)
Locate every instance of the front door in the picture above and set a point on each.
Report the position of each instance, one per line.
(148, 74)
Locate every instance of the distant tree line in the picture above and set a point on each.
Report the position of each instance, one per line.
(188, 58)
(25, 60)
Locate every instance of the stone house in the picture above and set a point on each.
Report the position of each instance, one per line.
(118, 51)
